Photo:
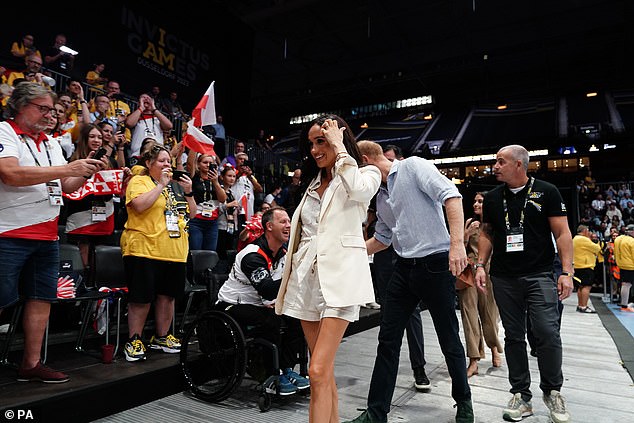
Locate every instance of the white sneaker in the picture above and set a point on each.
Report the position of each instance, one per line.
(517, 409)
(557, 406)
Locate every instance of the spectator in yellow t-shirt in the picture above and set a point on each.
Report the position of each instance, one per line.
(585, 254)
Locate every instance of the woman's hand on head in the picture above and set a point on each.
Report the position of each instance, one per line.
(333, 134)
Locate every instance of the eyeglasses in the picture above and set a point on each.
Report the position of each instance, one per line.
(33, 62)
(44, 110)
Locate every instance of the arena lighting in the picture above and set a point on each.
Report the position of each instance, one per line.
(481, 157)
(593, 148)
(68, 50)
(608, 146)
(502, 107)
(591, 94)
(364, 125)
(427, 117)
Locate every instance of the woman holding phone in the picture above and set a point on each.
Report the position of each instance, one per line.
(90, 218)
(155, 244)
(209, 195)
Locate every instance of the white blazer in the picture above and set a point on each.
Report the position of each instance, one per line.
(342, 259)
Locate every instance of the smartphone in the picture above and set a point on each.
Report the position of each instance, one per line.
(213, 168)
(177, 174)
(100, 153)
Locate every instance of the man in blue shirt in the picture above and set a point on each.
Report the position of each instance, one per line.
(412, 196)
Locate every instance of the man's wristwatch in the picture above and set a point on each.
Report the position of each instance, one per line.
(569, 274)
(479, 265)
(189, 194)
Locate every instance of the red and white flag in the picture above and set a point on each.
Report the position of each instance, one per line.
(205, 112)
(197, 141)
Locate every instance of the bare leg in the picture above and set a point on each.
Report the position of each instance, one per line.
(84, 251)
(496, 358)
(137, 314)
(323, 339)
(163, 312)
(34, 320)
(583, 293)
(473, 367)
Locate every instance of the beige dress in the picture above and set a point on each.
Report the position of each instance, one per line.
(479, 311)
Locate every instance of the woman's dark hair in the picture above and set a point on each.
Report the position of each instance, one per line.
(309, 166)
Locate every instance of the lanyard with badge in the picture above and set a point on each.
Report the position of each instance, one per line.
(53, 188)
(207, 207)
(515, 234)
(171, 212)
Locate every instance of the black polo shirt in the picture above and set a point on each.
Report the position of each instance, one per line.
(545, 201)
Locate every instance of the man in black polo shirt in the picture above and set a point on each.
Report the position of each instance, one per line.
(518, 219)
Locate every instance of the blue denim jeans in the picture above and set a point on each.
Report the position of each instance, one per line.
(427, 279)
(29, 269)
(203, 234)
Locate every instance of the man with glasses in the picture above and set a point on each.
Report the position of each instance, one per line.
(32, 72)
(33, 174)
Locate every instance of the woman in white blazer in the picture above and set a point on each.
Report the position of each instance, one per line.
(328, 277)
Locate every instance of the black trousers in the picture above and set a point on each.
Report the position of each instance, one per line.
(290, 341)
(382, 268)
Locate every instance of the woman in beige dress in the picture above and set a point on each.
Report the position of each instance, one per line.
(478, 310)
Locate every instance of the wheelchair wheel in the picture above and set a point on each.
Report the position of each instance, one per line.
(264, 402)
(213, 356)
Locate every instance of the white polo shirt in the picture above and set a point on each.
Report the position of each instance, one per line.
(25, 212)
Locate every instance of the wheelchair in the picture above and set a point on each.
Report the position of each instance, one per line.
(216, 354)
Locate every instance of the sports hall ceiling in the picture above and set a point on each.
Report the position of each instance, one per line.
(317, 55)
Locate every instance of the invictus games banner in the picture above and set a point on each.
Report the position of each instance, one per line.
(163, 51)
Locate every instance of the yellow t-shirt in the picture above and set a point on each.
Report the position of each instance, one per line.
(585, 252)
(145, 234)
(624, 252)
(20, 50)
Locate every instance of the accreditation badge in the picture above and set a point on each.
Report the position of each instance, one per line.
(54, 190)
(514, 240)
(98, 211)
(171, 221)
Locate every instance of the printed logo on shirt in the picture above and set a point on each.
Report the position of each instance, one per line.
(563, 207)
(258, 276)
(535, 195)
(1, 148)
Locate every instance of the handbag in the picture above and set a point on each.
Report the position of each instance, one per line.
(466, 279)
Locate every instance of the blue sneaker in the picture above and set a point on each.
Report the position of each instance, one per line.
(279, 385)
(296, 379)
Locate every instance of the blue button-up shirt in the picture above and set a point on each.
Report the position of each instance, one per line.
(409, 209)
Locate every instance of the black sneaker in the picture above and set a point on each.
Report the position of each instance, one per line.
(421, 381)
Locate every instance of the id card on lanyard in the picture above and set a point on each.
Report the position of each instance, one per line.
(98, 211)
(53, 188)
(515, 234)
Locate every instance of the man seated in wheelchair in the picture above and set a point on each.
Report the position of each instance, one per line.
(249, 295)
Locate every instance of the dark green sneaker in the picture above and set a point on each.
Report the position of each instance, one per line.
(464, 414)
(364, 417)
